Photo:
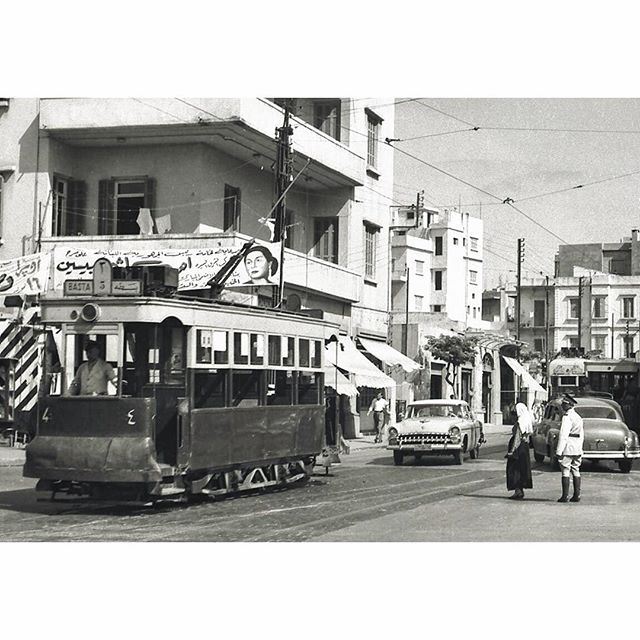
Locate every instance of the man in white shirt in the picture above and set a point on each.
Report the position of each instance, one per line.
(569, 448)
(379, 407)
(94, 375)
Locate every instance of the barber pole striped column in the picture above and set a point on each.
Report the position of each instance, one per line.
(24, 343)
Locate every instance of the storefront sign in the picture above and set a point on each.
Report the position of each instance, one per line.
(24, 276)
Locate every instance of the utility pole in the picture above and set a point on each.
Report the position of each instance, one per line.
(283, 178)
(405, 335)
(613, 326)
(579, 314)
(546, 332)
(518, 287)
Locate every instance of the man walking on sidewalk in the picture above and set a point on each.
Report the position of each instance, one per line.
(569, 449)
(379, 407)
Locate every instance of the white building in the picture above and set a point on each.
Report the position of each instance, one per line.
(75, 172)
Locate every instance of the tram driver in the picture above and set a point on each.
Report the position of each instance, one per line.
(93, 376)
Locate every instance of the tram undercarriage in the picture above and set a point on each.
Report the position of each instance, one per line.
(184, 486)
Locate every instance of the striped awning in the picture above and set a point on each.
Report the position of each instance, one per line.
(527, 380)
(334, 379)
(387, 354)
(347, 357)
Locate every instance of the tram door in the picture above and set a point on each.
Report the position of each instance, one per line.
(154, 367)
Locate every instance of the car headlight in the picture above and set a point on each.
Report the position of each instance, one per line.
(454, 434)
(393, 432)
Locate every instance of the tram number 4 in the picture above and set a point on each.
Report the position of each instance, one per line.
(45, 415)
(130, 415)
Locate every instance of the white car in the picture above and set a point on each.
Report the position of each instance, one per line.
(436, 427)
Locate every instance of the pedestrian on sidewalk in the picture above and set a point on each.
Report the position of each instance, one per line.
(518, 462)
(379, 406)
(569, 449)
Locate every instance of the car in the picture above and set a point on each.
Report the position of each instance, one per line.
(606, 436)
(436, 427)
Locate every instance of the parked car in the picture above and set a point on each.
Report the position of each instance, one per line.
(436, 427)
(606, 436)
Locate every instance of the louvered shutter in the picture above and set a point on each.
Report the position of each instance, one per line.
(77, 215)
(150, 199)
(106, 212)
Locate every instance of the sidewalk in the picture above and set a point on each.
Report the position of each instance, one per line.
(496, 436)
(11, 457)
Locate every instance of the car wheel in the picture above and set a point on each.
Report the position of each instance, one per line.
(417, 456)
(538, 457)
(458, 457)
(625, 465)
(475, 452)
(398, 457)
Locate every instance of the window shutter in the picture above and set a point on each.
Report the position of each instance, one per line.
(150, 199)
(106, 212)
(77, 214)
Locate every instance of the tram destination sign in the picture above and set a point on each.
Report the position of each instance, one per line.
(131, 288)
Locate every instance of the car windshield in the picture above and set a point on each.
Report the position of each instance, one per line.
(437, 411)
(607, 413)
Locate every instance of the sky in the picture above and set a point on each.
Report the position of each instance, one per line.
(519, 164)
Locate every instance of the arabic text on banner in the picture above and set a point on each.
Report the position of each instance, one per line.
(26, 275)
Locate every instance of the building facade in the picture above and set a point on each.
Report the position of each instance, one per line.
(76, 172)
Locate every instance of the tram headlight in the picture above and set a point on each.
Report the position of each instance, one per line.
(90, 312)
(454, 434)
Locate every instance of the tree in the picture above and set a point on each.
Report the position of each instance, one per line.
(455, 351)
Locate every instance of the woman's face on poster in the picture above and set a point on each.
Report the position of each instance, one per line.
(257, 266)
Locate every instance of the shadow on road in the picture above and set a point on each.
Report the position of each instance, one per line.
(503, 496)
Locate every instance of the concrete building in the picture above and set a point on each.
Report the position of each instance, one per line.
(75, 173)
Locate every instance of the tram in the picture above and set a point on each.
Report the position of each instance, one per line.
(209, 398)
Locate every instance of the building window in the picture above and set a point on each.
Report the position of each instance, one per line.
(437, 308)
(464, 242)
(231, 208)
(627, 307)
(419, 268)
(628, 346)
(599, 343)
(417, 302)
(119, 204)
(473, 296)
(438, 280)
(325, 239)
(473, 277)
(455, 241)
(538, 313)
(438, 240)
(574, 308)
(68, 200)
(599, 307)
(370, 247)
(574, 342)
(538, 345)
(373, 132)
(289, 223)
(475, 311)
(473, 244)
(326, 117)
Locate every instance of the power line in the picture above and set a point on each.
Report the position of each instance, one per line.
(436, 135)
(444, 113)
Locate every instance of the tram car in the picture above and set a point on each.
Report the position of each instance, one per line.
(207, 398)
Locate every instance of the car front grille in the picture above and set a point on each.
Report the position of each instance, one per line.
(424, 438)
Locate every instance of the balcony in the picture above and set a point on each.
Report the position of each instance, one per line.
(243, 128)
(301, 270)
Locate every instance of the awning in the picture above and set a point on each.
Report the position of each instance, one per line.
(346, 356)
(334, 379)
(389, 355)
(526, 379)
(567, 367)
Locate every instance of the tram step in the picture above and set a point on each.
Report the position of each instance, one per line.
(167, 470)
(170, 491)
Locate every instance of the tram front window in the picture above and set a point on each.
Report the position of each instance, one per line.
(91, 362)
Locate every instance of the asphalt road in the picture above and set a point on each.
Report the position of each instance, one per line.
(366, 498)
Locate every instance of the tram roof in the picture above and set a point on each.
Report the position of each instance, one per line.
(189, 311)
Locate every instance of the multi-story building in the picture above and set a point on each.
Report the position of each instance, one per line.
(75, 174)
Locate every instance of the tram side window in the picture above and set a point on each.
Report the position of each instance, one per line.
(316, 359)
(304, 352)
(288, 351)
(275, 351)
(220, 347)
(309, 386)
(280, 388)
(209, 389)
(241, 348)
(257, 348)
(245, 388)
(204, 345)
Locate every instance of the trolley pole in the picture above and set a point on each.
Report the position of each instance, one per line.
(283, 178)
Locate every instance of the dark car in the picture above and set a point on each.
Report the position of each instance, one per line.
(606, 436)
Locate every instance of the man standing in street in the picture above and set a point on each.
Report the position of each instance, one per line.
(379, 406)
(569, 449)
(93, 376)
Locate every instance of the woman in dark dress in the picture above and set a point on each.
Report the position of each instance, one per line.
(518, 463)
